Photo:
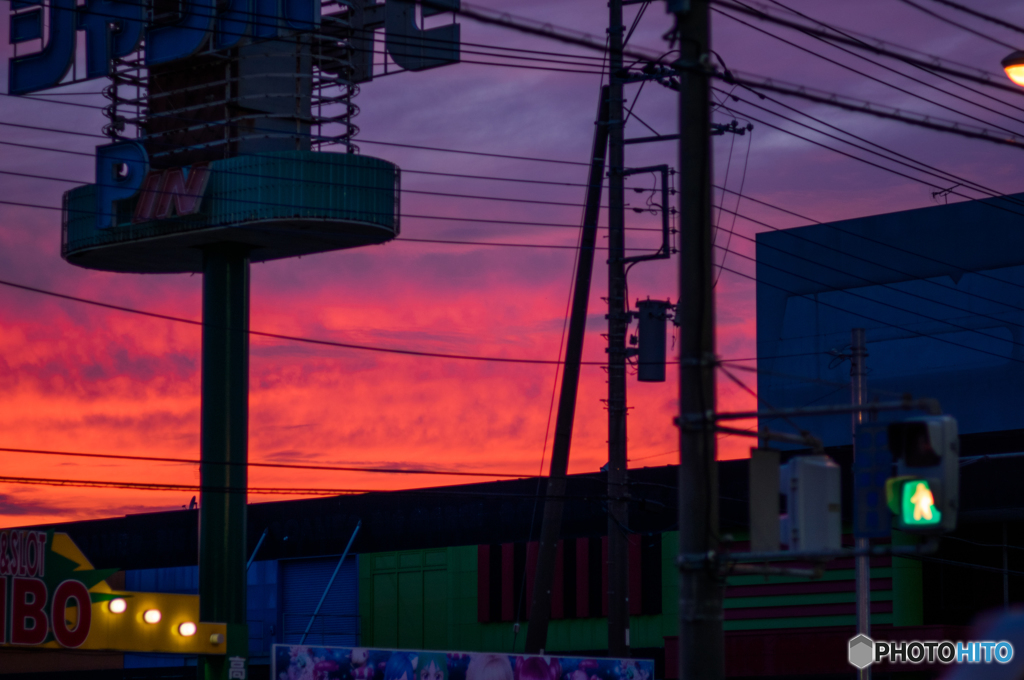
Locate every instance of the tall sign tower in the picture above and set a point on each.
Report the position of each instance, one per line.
(224, 119)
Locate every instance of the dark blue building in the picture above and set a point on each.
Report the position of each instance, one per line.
(939, 292)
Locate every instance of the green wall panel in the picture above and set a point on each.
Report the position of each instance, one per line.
(428, 600)
(385, 609)
(410, 609)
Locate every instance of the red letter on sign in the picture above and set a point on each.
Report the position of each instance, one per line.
(185, 196)
(149, 196)
(66, 591)
(28, 597)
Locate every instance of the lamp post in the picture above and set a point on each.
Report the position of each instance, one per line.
(1014, 67)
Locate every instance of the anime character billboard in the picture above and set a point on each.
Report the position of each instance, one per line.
(299, 662)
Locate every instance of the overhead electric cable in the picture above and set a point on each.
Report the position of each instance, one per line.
(869, 300)
(869, 282)
(888, 113)
(272, 491)
(883, 244)
(881, 51)
(401, 470)
(933, 59)
(289, 338)
(886, 153)
(882, 81)
(947, 20)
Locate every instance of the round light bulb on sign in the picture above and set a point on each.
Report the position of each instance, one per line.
(151, 616)
(187, 629)
(1014, 67)
(117, 606)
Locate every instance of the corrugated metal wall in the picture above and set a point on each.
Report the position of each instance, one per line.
(303, 584)
(262, 608)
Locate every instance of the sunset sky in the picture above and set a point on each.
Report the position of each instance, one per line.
(79, 378)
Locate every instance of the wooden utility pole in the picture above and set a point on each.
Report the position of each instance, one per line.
(701, 646)
(551, 525)
(618, 322)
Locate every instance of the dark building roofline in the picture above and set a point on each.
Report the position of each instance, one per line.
(504, 512)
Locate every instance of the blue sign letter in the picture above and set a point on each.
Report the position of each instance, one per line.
(183, 39)
(112, 28)
(413, 48)
(120, 171)
(47, 68)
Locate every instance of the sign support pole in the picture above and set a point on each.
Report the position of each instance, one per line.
(224, 452)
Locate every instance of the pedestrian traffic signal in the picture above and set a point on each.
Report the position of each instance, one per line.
(912, 501)
(925, 494)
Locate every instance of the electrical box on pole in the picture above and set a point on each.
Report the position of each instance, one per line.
(764, 500)
(925, 494)
(811, 487)
(651, 348)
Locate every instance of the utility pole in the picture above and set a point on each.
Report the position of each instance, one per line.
(862, 566)
(618, 321)
(551, 525)
(701, 645)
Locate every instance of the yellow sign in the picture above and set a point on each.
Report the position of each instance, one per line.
(54, 598)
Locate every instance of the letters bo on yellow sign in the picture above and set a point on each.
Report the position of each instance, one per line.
(52, 597)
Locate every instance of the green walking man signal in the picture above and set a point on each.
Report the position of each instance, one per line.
(913, 503)
(926, 491)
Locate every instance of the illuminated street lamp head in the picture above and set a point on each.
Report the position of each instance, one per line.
(1014, 67)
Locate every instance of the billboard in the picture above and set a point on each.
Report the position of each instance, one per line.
(54, 598)
(300, 662)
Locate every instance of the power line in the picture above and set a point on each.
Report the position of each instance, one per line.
(361, 139)
(981, 15)
(863, 37)
(367, 240)
(947, 20)
(290, 338)
(147, 486)
(403, 470)
(1008, 199)
(931, 58)
(885, 286)
(879, 80)
(920, 166)
(875, 241)
(877, 110)
(405, 171)
(834, 36)
(871, 318)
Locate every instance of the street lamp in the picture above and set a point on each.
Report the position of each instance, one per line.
(1014, 67)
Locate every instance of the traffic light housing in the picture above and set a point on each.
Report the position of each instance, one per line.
(812, 487)
(925, 494)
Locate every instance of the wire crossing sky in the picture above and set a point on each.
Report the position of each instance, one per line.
(494, 153)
